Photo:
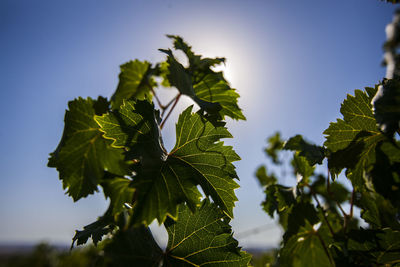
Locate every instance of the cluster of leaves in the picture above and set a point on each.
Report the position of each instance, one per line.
(317, 213)
(318, 229)
(117, 145)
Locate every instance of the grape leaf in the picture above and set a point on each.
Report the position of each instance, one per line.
(265, 178)
(213, 88)
(305, 249)
(83, 155)
(302, 167)
(196, 63)
(133, 247)
(377, 211)
(385, 174)
(96, 230)
(179, 77)
(314, 154)
(352, 140)
(120, 192)
(379, 247)
(134, 82)
(163, 180)
(386, 106)
(301, 213)
(275, 144)
(206, 87)
(202, 239)
(335, 192)
(278, 198)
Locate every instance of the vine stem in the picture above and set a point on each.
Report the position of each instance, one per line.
(325, 247)
(170, 111)
(349, 216)
(328, 189)
(157, 99)
(164, 108)
(323, 213)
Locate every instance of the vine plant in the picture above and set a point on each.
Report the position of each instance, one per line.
(318, 213)
(116, 144)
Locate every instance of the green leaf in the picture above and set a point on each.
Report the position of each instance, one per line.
(278, 198)
(264, 178)
(178, 76)
(206, 87)
(314, 154)
(377, 211)
(385, 174)
(213, 88)
(386, 105)
(301, 166)
(120, 192)
(275, 145)
(134, 82)
(378, 247)
(337, 192)
(133, 247)
(305, 249)
(300, 214)
(83, 155)
(352, 140)
(196, 63)
(203, 238)
(163, 180)
(96, 231)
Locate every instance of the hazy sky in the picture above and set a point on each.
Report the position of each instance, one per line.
(293, 62)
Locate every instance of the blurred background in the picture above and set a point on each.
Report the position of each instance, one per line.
(292, 62)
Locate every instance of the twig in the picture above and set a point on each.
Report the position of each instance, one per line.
(325, 248)
(164, 108)
(352, 203)
(328, 189)
(157, 99)
(323, 213)
(170, 111)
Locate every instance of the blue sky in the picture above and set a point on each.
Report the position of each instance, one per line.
(293, 62)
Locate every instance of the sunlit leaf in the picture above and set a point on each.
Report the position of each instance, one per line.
(206, 87)
(134, 82)
(163, 180)
(202, 239)
(83, 155)
(306, 249)
(353, 139)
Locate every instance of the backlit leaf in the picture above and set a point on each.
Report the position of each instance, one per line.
(206, 87)
(83, 155)
(134, 82)
(353, 139)
(203, 238)
(163, 180)
(305, 249)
